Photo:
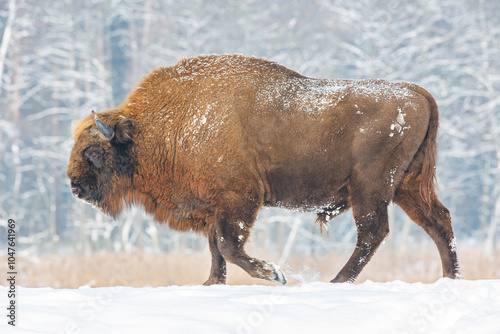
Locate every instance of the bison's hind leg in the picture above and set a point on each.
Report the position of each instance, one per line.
(368, 199)
(434, 219)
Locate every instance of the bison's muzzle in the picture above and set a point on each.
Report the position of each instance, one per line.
(79, 190)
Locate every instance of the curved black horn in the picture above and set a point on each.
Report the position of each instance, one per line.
(105, 130)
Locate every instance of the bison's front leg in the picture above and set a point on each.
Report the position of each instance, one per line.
(231, 235)
(218, 269)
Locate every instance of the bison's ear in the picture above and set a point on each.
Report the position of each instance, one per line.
(123, 131)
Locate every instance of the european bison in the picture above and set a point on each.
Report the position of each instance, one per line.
(204, 144)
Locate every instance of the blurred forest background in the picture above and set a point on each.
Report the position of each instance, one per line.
(61, 59)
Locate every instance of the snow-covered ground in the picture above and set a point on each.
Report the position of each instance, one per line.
(446, 306)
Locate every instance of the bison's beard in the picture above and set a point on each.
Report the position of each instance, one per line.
(91, 198)
(93, 202)
(111, 200)
(111, 207)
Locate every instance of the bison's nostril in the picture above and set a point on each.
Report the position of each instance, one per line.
(75, 191)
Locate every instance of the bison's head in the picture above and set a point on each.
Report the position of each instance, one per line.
(101, 164)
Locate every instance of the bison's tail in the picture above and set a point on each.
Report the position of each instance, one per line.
(429, 150)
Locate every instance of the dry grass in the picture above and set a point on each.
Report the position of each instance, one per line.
(138, 269)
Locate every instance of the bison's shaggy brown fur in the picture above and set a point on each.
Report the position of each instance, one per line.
(204, 144)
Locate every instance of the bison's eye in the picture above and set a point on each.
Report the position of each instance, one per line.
(95, 155)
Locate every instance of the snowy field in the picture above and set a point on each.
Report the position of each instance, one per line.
(446, 306)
